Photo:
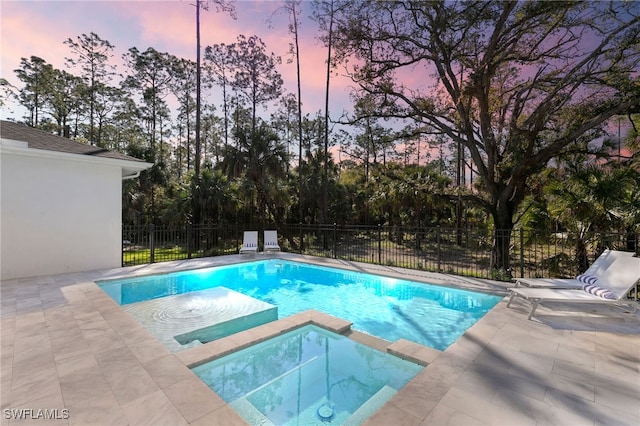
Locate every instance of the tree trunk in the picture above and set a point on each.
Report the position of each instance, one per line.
(325, 179)
(582, 258)
(500, 251)
(196, 205)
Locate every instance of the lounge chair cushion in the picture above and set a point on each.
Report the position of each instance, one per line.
(599, 291)
(587, 279)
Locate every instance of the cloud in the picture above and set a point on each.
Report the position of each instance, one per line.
(18, 42)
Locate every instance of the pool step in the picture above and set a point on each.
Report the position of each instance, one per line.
(309, 416)
(372, 405)
(282, 376)
(250, 413)
(218, 310)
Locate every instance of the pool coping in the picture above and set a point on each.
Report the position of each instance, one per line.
(410, 351)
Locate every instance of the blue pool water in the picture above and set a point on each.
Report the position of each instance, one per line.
(385, 307)
(314, 377)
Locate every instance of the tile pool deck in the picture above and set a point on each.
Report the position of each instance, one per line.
(66, 345)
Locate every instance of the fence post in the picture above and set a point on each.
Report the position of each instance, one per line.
(438, 245)
(379, 244)
(521, 252)
(301, 240)
(152, 243)
(122, 247)
(189, 241)
(335, 240)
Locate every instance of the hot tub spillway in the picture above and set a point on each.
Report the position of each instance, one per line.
(189, 319)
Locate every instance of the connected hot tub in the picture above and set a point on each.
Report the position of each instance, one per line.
(307, 376)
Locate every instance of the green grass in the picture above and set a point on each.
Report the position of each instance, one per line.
(143, 256)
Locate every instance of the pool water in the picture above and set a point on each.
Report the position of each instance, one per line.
(384, 307)
(307, 376)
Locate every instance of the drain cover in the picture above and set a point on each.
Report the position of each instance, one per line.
(326, 411)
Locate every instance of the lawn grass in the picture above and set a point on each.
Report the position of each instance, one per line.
(140, 256)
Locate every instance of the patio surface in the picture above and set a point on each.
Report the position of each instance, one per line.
(69, 349)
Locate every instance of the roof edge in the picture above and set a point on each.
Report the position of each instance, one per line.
(130, 168)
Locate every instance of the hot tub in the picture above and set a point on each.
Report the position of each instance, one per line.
(307, 376)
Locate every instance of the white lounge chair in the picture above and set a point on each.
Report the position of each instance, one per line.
(271, 241)
(612, 286)
(597, 269)
(249, 242)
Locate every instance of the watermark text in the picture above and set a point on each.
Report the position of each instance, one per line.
(35, 413)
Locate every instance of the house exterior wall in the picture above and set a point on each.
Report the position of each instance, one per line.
(58, 214)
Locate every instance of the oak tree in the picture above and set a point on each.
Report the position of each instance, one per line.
(513, 82)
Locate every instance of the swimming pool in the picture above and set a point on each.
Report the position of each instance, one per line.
(307, 376)
(384, 307)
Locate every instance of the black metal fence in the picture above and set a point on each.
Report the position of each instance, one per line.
(464, 252)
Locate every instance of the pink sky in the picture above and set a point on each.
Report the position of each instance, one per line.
(38, 28)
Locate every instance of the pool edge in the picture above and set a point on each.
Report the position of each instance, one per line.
(404, 349)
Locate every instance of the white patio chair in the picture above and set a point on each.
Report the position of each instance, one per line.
(612, 286)
(249, 242)
(597, 270)
(271, 241)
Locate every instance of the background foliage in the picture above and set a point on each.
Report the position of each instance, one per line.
(465, 114)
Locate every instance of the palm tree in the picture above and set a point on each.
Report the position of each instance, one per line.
(591, 197)
(258, 161)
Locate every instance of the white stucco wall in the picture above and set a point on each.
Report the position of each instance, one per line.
(59, 213)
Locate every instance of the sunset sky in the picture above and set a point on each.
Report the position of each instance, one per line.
(39, 28)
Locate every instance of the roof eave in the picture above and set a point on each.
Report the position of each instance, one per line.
(130, 169)
(129, 172)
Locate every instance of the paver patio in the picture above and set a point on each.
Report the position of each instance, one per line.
(68, 348)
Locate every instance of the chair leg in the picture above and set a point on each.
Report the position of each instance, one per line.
(511, 299)
(534, 306)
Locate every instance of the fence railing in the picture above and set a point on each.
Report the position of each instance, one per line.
(465, 252)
